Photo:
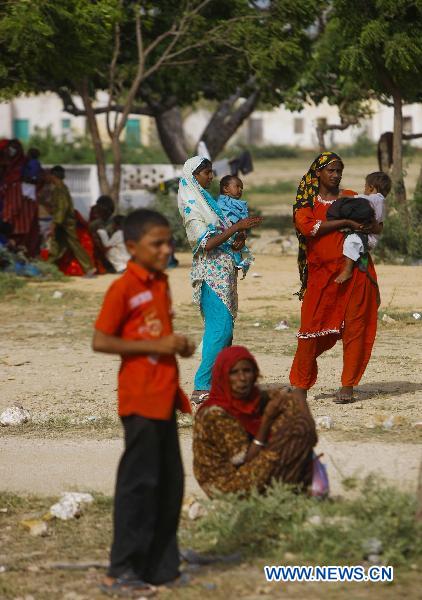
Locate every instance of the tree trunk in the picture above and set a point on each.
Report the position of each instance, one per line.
(172, 137)
(320, 131)
(397, 171)
(117, 167)
(418, 189)
(226, 121)
(96, 139)
(385, 151)
(419, 496)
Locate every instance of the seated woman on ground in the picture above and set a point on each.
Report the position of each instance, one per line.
(245, 437)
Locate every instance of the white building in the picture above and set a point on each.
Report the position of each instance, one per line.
(282, 127)
(20, 118)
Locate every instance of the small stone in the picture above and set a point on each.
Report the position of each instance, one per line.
(257, 324)
(417, 316)
(2, 569)
(372, 546)
(56, 295)
(209, 586)
(418, 424)
(314, 520)
(256, 275)
(374, 559)
(14, 415)
(36, 527)
(289, 556)
(387, 319)
(282, 325)
(3, 510)
(324, 422)
(195, 511)
(33, 569)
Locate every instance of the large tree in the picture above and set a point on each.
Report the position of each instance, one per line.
(156, 59)
(384, 54)
(323, 79)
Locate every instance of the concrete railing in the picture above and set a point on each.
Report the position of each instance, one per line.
(136, 184)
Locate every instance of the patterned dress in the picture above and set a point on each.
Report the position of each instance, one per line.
(220, 444)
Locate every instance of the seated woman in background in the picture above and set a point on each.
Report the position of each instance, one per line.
(244, 437)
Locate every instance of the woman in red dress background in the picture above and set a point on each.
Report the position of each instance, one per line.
(330, 311)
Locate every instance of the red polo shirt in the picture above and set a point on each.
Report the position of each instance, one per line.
(137, 306)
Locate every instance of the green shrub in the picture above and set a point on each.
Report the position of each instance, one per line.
(402, 232)
(80, 150)
(10, 284)
(331, 532)
(278, 187)
(362, 146)
(166, 204)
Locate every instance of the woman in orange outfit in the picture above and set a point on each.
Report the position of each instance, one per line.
(330, 311)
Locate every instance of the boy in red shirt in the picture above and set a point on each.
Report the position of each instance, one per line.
(135, 322)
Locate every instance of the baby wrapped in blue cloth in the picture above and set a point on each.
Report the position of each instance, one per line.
(235, 209)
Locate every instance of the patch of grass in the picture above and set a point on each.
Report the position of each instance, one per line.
(269, 525)
(277, 187)
(10, 284)
(69, 427)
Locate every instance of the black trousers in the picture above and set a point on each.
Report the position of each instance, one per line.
(148, 501)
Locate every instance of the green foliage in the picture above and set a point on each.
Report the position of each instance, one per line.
(402, 232)
(384, 45)
(278, 187)
(80, 150)
(166, 204)
(10, 284)
(363, 146)
(280, 521)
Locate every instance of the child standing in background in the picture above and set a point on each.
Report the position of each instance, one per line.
(114, 245)
(135, 322)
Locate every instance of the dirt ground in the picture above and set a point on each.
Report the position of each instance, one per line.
(73, 440)
(49, 368)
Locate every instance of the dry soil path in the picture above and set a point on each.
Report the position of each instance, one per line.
(51, 466)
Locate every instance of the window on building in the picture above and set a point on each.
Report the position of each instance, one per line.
(133, 132)
(21, 129)
(255, 131)
(407, 124)
(298, 125)
(65, 125)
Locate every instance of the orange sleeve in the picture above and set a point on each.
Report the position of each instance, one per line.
(305, 221)
(113, 311)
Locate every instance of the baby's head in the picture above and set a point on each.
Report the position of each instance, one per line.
(377, 182)
(231, 185)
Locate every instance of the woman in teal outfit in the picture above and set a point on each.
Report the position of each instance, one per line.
(214, 273)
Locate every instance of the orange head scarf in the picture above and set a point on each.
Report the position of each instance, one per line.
(247, 412)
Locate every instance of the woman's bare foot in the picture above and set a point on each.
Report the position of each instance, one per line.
(344, 276)
(345, 395)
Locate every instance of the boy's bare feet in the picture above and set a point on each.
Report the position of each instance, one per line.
(345, 395)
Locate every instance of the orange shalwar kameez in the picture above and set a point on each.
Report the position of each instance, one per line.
(332, 311)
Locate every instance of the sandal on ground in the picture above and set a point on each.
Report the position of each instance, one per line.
(181, 580)
(199, 396)
(343, 399)
(124, 586)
